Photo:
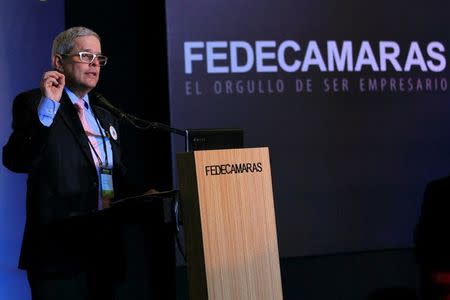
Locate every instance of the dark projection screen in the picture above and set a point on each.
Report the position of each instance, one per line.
(351, 98)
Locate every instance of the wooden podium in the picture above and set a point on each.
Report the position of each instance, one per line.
(230, 230)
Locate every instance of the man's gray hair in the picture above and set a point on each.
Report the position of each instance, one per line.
(64, 42)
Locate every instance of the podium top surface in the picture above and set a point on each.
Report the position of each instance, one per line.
(214, 138)
(146, 197)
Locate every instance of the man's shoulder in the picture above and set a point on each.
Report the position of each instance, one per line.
(31, 96)
(439, 183)
(30, 93)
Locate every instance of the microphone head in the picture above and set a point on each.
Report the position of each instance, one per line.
(100, 97)
(102, 100)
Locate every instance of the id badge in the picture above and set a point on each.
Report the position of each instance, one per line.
(106, 183)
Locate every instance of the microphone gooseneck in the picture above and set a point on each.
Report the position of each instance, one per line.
(111, 107)
(135, 121)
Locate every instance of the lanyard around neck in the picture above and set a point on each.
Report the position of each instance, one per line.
(103, 142)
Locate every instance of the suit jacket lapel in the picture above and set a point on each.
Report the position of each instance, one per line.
(106, 122)
(69, 115)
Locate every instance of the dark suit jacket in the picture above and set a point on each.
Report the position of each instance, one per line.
(62, 183)
(433, 229)
(432, 239)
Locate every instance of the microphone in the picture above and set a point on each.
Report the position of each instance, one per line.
(133, 120)
(111, 107)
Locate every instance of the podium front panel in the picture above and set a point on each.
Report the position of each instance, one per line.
(237, 223)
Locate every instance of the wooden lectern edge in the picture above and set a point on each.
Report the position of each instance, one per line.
(158, 195)
(118, 204)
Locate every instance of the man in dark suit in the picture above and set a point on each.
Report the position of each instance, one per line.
(69, 147)
(432, 242)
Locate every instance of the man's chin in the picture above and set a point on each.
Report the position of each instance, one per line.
(90, 84)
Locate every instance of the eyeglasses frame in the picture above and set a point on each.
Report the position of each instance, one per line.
(94, 56)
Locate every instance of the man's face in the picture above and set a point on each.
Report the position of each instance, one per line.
(81, 76)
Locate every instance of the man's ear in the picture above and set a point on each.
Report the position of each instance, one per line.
(57, 63)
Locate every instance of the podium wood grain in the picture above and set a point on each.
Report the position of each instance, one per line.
(236, 226)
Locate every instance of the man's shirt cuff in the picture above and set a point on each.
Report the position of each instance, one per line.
(47, 110)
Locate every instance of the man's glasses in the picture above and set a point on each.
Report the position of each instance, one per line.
(88, 57)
